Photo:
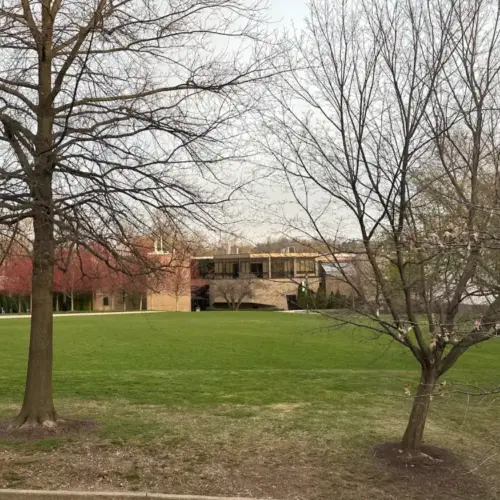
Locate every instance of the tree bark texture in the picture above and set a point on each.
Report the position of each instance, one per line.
(38, 407)
(413, 436)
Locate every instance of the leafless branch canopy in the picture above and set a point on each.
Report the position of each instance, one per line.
(134, 106)
(392, 116)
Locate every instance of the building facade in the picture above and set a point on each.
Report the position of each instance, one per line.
(180, 282)
(274, 280)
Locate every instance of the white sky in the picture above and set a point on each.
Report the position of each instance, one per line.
(289, 11)
(261, 224)
(262, 214)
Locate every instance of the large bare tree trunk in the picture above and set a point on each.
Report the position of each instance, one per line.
(55, 86)
(413, 436)
(72, 302)
(38, 407)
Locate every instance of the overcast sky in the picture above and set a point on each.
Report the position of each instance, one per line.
(289, 11)
(263, 220)
(283, 14)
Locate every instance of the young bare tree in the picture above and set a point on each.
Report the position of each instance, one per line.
(109, 111)
(392, 117)
(235, 291)
(179, 283)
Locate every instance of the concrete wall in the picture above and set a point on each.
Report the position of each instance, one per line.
(163, 301)
(334, 284)
(171, 291)
(268, 292)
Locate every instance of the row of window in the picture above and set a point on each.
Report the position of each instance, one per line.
(241, 268)
(306, 266)
(280, 268)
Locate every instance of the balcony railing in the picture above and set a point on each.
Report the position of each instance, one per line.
(281, 274)
(235, 276)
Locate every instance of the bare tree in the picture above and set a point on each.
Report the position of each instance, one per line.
(179, 283)
(109, 111)
(392, 117)
(235, 291)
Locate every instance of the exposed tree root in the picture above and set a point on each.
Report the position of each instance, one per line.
(32, 430)
(28, 419)
(426, 456)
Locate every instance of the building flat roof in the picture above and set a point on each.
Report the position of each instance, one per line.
(321, 257)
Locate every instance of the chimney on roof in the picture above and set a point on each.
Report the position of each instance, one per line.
(237, 250)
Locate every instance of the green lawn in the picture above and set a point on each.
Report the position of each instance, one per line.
(219, 383)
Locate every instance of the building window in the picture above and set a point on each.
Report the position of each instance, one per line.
(219, 268)
(257, 269)
(306, 266)
(234, 269)
(105, 301)
(204, 269)
(282, 268)
(244, 268)
(227, 269)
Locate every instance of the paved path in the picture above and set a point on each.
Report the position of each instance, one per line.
(71, 315)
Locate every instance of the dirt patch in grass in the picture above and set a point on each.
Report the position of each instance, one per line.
(265, 466)
(35, 433)
(435, 473)
(430, 456)
(231, 450)
(286, 406)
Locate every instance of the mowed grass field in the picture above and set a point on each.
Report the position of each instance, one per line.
(251, 403)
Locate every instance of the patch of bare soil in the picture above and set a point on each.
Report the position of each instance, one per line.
(35, 433)
(297, 469)
(430, 456)
(286, 406)
(435, 473)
